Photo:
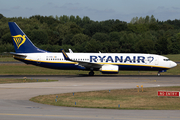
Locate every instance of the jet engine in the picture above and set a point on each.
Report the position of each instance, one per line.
(109, 69)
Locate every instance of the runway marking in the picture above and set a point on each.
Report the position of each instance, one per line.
(79, 116)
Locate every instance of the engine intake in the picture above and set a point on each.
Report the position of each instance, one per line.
(109, 69)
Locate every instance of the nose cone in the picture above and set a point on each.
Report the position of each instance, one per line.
(173, 64)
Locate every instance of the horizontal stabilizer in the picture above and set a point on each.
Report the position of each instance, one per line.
(18, 55)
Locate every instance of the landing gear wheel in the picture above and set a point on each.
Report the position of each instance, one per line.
(91, 73)
(158, 74)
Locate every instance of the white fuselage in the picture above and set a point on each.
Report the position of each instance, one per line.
(125, 61)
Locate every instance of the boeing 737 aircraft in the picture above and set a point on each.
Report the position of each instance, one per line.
(27, 52)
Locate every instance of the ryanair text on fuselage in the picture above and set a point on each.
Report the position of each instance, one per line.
(119, 59)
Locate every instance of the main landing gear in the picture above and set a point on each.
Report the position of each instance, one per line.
(159, 73)
(91, 73)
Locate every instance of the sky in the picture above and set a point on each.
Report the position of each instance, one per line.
(97, 10)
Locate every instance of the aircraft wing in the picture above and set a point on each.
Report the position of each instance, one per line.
(89, 65)
(82, 63)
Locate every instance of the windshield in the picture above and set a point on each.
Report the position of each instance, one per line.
(166, 59)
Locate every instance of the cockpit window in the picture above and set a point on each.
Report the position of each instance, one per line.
(166, 59)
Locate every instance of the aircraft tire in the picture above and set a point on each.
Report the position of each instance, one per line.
(91, 73)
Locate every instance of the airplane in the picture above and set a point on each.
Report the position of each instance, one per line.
(107, 63)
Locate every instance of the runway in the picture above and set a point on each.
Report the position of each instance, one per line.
(15, 104)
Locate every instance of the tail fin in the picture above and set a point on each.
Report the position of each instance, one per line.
(22, 43)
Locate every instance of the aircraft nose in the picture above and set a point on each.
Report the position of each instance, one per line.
(173, 64)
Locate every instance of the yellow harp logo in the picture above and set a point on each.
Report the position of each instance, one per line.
(19, 40)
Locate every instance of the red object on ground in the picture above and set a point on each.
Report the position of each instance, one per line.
(169, 93)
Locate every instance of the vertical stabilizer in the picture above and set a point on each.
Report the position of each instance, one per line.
(22, 43)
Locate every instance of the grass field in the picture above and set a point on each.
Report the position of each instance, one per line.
(174, 57)
(8, 59)
(23, 69)
(24, 80)
(126, 98)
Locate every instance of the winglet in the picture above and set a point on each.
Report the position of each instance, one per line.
(70, 51)
(65, 55)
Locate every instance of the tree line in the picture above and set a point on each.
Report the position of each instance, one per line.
(141, 35)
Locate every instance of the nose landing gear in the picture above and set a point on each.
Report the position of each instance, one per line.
(160, 72)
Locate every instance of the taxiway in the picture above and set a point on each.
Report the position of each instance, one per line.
(15, 104)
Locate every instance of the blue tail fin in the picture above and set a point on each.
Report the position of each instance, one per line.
(22, 43)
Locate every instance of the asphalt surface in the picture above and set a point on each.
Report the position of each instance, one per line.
(15, 104)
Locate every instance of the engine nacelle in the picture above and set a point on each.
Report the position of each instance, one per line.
(109, 69)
